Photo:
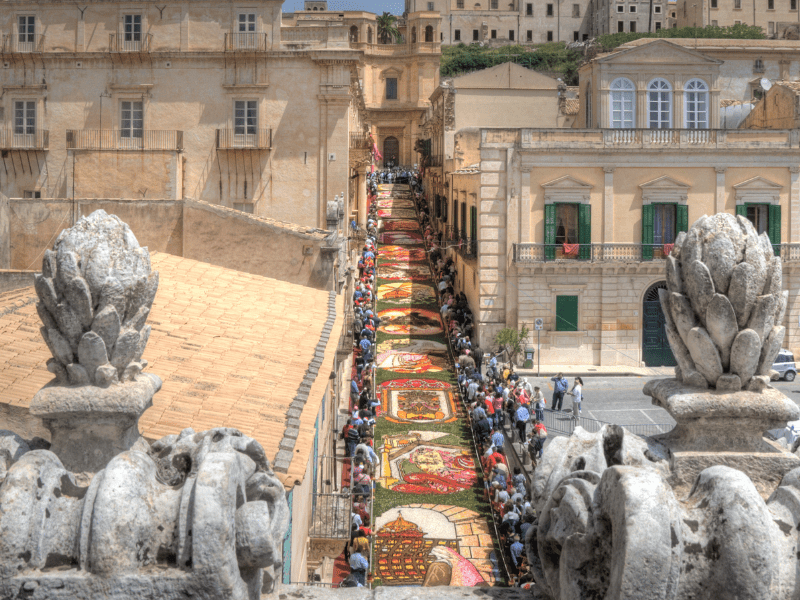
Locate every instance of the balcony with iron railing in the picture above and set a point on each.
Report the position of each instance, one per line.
(237, 139)
(646, 139)
(630, 253)
(245, 41)
(37, 139)
(23, 43)
(112, 139)
(360, 141)
(130, 43)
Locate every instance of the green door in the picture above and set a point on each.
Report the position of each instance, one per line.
(655, 347)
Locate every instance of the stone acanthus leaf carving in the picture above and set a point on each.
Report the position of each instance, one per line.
(450, 109)
(95, 292)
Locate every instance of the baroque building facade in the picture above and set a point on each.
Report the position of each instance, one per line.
(573, 225)
(210, 100)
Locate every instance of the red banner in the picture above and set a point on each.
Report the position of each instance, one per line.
(668, 248)
(571, 249)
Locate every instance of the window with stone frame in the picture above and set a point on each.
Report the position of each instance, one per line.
(24, 117)
(131, 123)
(695, 101)
(659, 104)
(132, 28)
(391, 88)
(566, 313)
(623, 104)
(766, 218)
(567, 230)
(26, 29)
(661, 223)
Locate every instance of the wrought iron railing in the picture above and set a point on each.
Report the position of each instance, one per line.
(246, 41)
(128, 43)
(330, 516)
(234, 139)
(25, 43)
(113, 139)
(38, 140)
(360, 141)
(535, 253)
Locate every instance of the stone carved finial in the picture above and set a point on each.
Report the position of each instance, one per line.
(95, 293)
(724, 304)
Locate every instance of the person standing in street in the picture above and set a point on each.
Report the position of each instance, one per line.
(538, 403)
(523, 416)
(560, 385)
(577, 397)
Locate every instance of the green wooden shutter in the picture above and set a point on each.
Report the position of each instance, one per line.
(741, 209)
(774, 227)
(566, 313)
(585, 231)
(549, 231)
(647, 231)
(681, 218)
(473, 223)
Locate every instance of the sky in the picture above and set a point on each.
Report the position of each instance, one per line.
(376, 6)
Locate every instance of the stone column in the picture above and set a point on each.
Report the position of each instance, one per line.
(719, 196)
(794, 205)
(361, 195)
(608, 205)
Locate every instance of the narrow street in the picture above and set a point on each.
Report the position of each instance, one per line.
(432, 523)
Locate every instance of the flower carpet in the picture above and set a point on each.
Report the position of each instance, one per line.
(432, 523)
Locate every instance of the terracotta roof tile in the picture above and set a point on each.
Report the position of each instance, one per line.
(227, 356)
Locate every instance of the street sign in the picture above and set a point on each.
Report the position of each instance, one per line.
(538, 324)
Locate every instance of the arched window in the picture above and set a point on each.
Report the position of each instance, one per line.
(659, 104)
(413, 35)
(623, 104)
(429, 34)
(391, 150)
(354, 34)
(696, 104)
(369, 35)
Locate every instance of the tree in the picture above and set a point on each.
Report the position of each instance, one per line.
(387, 28)
(511, 340)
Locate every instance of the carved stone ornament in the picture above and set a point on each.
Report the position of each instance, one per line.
(710, 509)
(102, 514)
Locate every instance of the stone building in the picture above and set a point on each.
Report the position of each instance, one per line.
(459, 107)
(779, 20)
(500, 22)
(778, 109)
(210, 100)
(207, 342)
(573, 224)
(629, 16)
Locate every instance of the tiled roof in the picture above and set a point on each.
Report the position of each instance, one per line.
(233, 350)
(791, 85)
(571, 106)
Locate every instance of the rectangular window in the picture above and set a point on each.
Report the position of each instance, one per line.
(632, 8)
(247, 22)
(457, 35)
(391, 88)
(511, 34)
(766, 218)
(25, 117)
(529, 35)
(737, 4)
(131, 123)
(246, 207)
(132, 28)
(459, 3)
(737, 22)
(576, 36)
(529, 10)
(658, 25)
(576, 11)
(549, 10)
(633, 26)
(566, 313)
(494, 4)
(714, 23)
(430, 7)
(567, 231)
(771, 27)
(473, 223)
(549, 36)
(770, 4)
(793, 5)
(245, 117)
(26, 28)
(620, 8)
(660, 225)
(713, 3)
(620, 26)
(657, 10)
(475, 37)
(455, 216)
(494, 34)
(463, 219)
(32, 194)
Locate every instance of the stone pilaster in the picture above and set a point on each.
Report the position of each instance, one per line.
(719, 195)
